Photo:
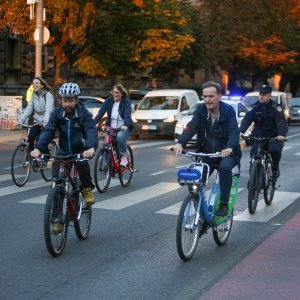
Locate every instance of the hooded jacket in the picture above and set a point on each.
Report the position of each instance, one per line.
(75, 135)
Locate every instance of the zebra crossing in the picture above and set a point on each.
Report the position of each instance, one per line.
(263, 214)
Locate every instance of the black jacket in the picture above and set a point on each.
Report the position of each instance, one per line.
(226, 126)
(268, 120)
(75, 135)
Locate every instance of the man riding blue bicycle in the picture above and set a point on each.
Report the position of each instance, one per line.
(269, 122)
(216, 127)
(77, 133)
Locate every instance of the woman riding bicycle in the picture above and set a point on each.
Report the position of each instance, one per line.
(41, 105)
(118, 108)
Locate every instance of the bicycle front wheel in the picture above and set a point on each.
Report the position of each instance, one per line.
(102, 170)
(125, 174)
(46, 171)
(55, 221)
(253, 188)
(269, 190)
(187, 231)
(83, 225)
(222, 231)
(20, 165)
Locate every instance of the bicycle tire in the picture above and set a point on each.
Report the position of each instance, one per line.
(19, 172)
(187, 237)
(46, 172)
(102, 170)
(125, 174)
(271, 183)
(253, 187)
(55, 214)
(222, 231)
(83, 225)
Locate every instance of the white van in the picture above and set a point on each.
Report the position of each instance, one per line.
(278, 97)
(159, 110)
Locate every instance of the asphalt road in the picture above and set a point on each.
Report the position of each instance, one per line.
(131, 251)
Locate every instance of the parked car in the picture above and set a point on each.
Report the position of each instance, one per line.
(93, 105)
(240, 110)
(294, 110)
(279, 97)
(159, 110)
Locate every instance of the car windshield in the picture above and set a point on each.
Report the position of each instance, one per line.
(294, 102)
(159, 103)
(250, 100)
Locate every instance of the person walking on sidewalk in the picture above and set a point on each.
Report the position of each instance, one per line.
(41, 105)
(217, 131)
(77, 134)
(118, 108)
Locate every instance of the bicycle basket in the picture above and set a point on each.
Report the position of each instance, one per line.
(186, 176)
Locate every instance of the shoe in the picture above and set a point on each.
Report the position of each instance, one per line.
(222, 210)
(88, 196)
(57, 227)
(124, 161)
(50, 163)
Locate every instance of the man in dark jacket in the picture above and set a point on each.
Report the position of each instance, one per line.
(77, 134)
(269, 122)
(217, 130)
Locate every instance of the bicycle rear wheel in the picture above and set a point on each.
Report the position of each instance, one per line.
(102, 170)
(269, 190)
(83, 225)
(125, 174)
(46, 171)
(222, 231)
(253, 188)
(56, 221)
(20, 165)
(187, 235)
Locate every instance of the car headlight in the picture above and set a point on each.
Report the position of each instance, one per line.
(169, 119)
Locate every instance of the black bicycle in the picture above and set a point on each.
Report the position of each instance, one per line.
(22, 163)
(65, 204)
(261, 174)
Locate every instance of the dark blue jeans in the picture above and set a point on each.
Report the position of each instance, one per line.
(224, 165)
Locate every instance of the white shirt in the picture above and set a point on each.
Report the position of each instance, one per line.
(116, 120)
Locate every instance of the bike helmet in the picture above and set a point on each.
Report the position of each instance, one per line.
(69, 90)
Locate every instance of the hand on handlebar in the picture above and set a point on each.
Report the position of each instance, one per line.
(88, 153)
(177, 148)
(280, 138)
(35, 153)
(226, 152)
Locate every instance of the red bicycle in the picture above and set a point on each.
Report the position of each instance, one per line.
(107, 162)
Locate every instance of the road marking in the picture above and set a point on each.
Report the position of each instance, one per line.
(265, 213)
(138, 196)
(148, 145)
(5, 177)
(298, 153)
(287, 148)
(28, 186)
(42, 199)
(157, 173)
(174, 209)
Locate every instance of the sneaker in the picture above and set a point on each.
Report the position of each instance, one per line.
(50, 163)
(57, 227)
(124, 161)
(88, 196)
(222, 210)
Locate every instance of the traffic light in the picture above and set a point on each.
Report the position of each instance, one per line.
(49, 61)
(28, 61)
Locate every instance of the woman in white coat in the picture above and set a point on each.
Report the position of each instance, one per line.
(41, 105)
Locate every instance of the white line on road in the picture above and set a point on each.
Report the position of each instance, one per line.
(157, 173)
(287, 148)
(149, 145)
(265, 213)
(138, 196)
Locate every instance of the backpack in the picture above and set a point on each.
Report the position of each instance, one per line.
(56, 102)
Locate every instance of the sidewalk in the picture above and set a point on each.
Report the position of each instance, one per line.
(271, 271)
(8, 136)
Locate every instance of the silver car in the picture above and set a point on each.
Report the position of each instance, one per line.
(294, 110)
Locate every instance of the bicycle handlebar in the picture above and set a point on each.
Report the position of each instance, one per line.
(259, 139)
(77, 157)
(28, 126)
(201, 154)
